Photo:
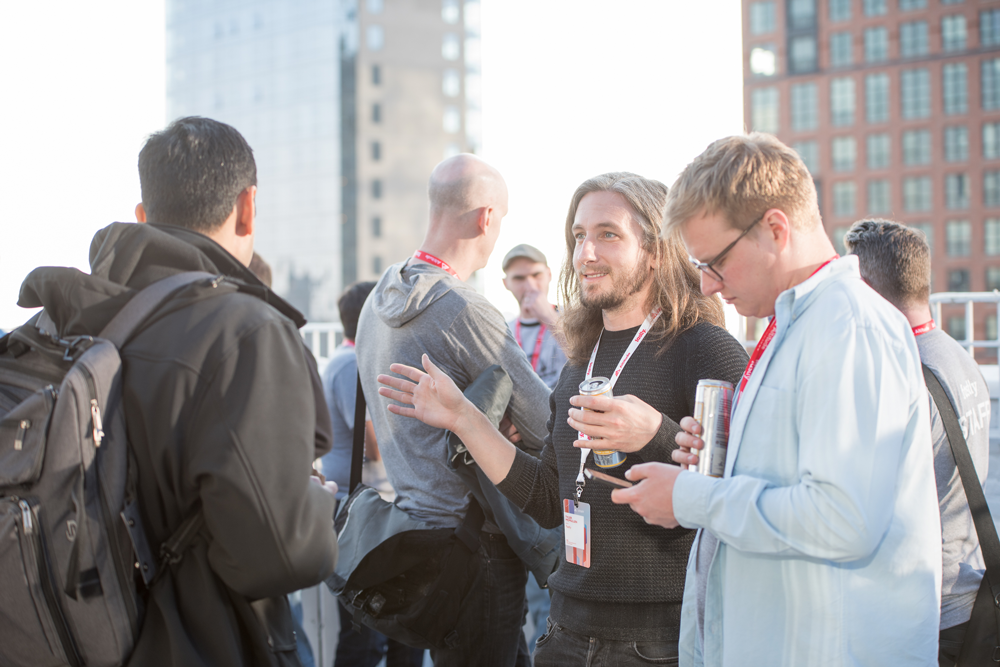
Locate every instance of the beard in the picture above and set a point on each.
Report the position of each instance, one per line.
(623, 287)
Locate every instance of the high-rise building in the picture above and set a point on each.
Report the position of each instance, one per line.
(894, 105)
(348, 106)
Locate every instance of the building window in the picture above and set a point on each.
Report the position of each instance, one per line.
(844, 198)
(956, 325)
(844, 153)
(841, 49)
(991, 140)
(449, 11)
(876, 45)
(376, 189)
(927, 230)
(842, 101)
(989, 27)
(450, 47)
(956, 191)
(915, 87)
(956, 90)
(878, 150)
(956, 143)
(879, 198)
(992, 283)
(764, 110)
(451, 85)
(804, 106)
(840, 10)
(917, 193)
(809, 153)
(374, 38)
(953, 34)
(802, 13)
(376, 113)
(991, 188)
(376, 75)
(907, 5)
(992, 235)
(761, 18)
(377, 265)
(802, 54)
(877, 98)
(958, 281)
(913, 39)
(952, 2)
(916, 147)
(452, 120)
(990, 83)
(764, 60)
(875, 7)
(837, 236)
(376, 151)
(377, 227)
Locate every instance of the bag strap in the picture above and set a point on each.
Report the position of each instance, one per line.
(142, 305)
(117, 331)
(472, 524)
(358, 451)
(173, 548)
(989, 543)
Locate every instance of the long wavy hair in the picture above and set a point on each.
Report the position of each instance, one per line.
(677, 284)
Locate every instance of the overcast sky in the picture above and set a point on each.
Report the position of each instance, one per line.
(571, 89)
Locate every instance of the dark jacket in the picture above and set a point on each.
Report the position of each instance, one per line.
(224, 408)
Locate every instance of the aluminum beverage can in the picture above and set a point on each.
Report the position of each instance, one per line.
(601, 386)
(713, 401)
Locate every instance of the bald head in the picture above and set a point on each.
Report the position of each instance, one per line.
(463, 184)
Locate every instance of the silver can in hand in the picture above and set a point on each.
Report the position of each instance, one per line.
(713, 401)
(601, 386)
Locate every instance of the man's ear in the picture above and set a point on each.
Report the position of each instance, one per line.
(778, 227)
(140, 212)
(484, 220)
(246, 211)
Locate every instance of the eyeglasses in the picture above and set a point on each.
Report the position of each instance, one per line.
(708, 266)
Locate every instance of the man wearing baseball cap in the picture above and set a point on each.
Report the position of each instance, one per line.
(527, 277)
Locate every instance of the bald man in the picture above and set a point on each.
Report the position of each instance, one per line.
(423, 305)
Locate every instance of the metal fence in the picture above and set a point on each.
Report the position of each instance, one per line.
(968, 299)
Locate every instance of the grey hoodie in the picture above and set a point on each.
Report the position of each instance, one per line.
(422, 309)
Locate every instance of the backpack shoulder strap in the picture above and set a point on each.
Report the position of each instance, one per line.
(989, 543)
(142, 305)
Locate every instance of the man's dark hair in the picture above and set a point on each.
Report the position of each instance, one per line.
(350, 303)
(192, 172)
(895, 260)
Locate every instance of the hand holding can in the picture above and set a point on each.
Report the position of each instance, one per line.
(601, 386)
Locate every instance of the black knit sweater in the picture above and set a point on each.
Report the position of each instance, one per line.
(635, 583)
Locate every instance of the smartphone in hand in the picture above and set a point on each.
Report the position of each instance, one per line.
(607, 479)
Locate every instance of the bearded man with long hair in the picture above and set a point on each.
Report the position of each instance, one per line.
(633, 311)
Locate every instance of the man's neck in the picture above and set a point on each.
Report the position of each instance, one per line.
(814, 249)
(455, 257)
(917, 314)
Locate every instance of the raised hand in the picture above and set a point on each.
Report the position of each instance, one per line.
(624, 423)
(435, 398)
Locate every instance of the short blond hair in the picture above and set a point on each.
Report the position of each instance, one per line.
(742, 177)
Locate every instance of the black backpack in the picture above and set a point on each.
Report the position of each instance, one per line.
(71, 536)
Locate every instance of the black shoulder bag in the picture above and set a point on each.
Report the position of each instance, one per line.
(395, 574)
(981, 645)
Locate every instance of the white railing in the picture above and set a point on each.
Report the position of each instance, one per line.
(968, 299)
(322, 338)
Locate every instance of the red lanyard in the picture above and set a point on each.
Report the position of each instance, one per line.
(348, 342)
(924, 328)
(538, 343)
(765, 340)
(431, 259)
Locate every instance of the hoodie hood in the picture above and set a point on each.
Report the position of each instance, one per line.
(125, 258)
(404, 291)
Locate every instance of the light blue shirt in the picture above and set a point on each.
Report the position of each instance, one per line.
(829, 547)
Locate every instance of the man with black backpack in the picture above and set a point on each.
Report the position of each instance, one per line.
(896, 261)
(223, 408)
